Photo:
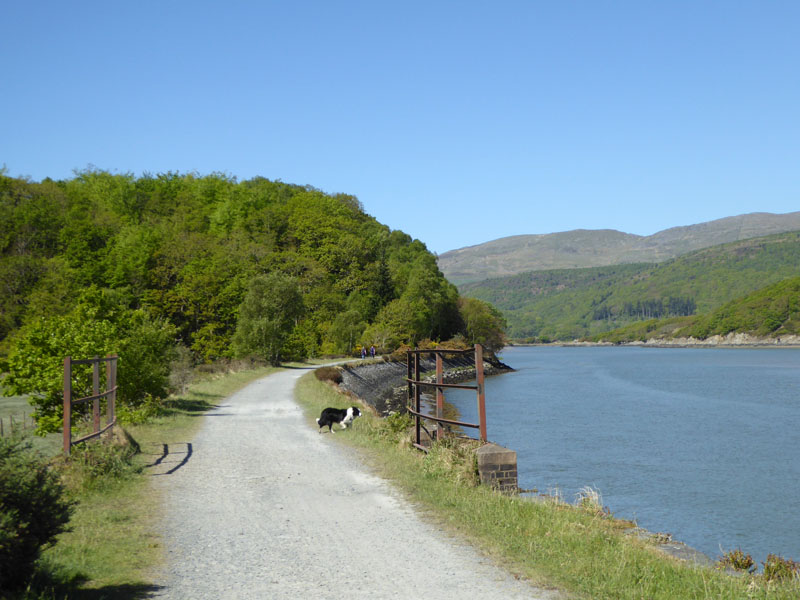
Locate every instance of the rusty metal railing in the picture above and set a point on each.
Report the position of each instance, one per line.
(414, 393)
(110, 394)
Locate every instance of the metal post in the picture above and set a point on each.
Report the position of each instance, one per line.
(109, 386)
(67, 432)
(481, 394)
(95, 392)
(439, 397)
(114, 387)
(417, 399)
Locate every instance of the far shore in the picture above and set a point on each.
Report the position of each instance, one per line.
(732, 340)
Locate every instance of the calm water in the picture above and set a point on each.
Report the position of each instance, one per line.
(700, 443)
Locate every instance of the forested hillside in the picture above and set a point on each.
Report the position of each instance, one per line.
(571, 303)
(771, 312)
(139, 265)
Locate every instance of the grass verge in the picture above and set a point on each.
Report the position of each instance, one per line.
(113, 549)
(578, 549)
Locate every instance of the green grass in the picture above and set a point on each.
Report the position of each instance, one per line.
(18, 409)
(113, 548)
(15, 407)
(577, 549)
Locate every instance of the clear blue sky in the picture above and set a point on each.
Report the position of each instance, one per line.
(457, 122)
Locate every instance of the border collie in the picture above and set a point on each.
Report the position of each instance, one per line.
(343, 416)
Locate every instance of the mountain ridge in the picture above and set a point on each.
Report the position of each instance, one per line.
(566, 304)
(580, 248)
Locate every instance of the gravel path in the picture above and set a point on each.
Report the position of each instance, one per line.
(259, 505)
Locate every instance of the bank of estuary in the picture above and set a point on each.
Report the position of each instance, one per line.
(382, 385)
(730, 340)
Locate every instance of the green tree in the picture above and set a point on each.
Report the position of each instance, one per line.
(270, 310)
(483, 324)
(346, 329)
(35, 363)
(98, 326)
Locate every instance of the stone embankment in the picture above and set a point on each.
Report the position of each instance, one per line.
(382, 384)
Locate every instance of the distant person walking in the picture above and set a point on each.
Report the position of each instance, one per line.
(363, 353)
(372, 351)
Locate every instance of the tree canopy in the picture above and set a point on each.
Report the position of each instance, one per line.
(208, 259)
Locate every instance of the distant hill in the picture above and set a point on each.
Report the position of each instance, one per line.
(583, 248)
(770, 312)
(565, 304)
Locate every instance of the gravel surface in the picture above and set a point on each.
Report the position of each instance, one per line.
(260, 505)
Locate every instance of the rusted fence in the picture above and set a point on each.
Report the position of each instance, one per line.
(110, 394)
(414, 392)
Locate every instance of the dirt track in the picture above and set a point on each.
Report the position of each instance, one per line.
(259, 505)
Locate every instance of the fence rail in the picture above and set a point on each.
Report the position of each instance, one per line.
(414, 393)
(110, 395)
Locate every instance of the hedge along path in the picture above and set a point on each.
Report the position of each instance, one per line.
(266, 507)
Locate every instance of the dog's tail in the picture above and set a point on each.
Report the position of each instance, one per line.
(317, 421)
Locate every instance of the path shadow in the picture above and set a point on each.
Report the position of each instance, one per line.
(167, 458)
(48, 584)
(117, 592)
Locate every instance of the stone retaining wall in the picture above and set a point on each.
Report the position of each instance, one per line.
(382, 385)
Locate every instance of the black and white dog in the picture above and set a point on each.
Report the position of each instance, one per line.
(343, 416)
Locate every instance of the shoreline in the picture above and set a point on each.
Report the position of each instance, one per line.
(376, 384)
(731, 340)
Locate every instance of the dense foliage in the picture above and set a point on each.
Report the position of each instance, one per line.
(114, 263)
(33, 510)
(770, 312)
(573, 303)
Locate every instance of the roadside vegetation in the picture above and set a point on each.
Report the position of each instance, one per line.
(109, 547)
(579, 548)
(204, 268)
(176, 273)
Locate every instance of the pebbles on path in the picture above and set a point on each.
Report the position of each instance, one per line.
(260, 505)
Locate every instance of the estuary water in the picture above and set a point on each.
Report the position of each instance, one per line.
(700, 443)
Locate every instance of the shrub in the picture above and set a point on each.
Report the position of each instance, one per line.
(738, 561)
(36, 358)
(33, 510)
(777, 568)
(97, 459)
(454, 459)
(146, 411)
(590, 500)
(332, 374)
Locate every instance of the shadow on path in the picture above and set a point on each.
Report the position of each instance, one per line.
(168, 459)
